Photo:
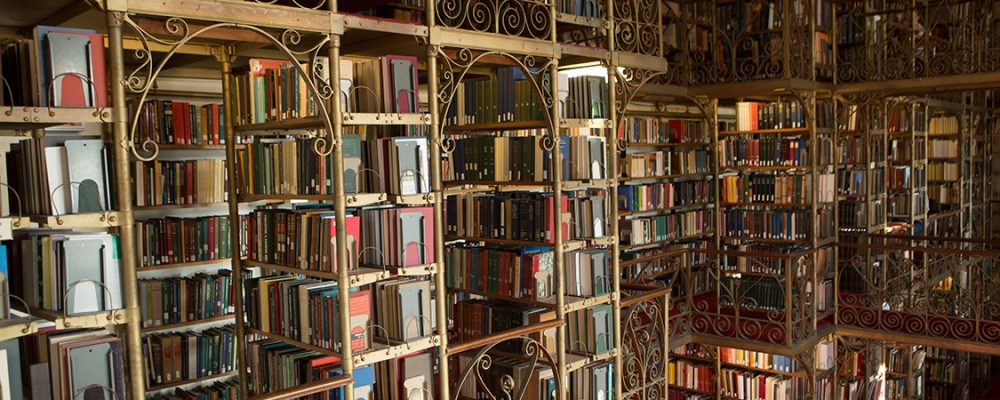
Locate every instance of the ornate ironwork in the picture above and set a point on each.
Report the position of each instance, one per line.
(923, 286)
(736, 311)
(524, 18)
(643, 350)
(479, 379)
(454, 68)
(637, 26)
(141, 80)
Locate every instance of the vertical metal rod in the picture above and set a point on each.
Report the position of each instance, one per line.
(440, 290)
(123, 197)
(225, 58)
(611, 161)
(558, 268)
(340, 214)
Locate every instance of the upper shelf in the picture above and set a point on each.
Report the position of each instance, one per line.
(22, 118)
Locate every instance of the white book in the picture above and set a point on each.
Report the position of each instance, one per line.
(57, 171)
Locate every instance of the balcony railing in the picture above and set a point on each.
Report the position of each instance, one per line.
(925, 286)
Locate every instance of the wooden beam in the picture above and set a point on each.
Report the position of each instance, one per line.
(934, 341)
(938, 84)
(240, 12)
(767, 87)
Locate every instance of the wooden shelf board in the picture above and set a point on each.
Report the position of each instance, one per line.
(174, 384)
(179, 206)
(286, 124)
(185, 324)
(358, 277)
(381, 351)
(783, 131)
(189, 264)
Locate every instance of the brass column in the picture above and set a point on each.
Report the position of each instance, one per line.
(340, 211)
(557, 236)
(225, 57)
(440, 290)
(123, 195)
(611, 161)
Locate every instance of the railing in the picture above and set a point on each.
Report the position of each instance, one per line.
(644, 342)
(927, 286)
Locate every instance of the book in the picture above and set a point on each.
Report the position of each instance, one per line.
(71, 178)
(765, 151)
(72, 273)
(399, 237)
(302, 237)
(219, 390)
(509, 97)
(478, 318)
(175, 300)
(178, 357)
(86, 363)
(164, 183)
(70, 67)
(639, 130)
(767, 224)
(663, 196)
(649, 230)
(404, 309)
(522, 272)
(307, 310)
(526, 216)
(275, 365)
(398, 165)
(273, 90)
(782, 114)
(663, 164)
(173, 240)
(286, 165)
(766, 188)
(178, 122)
(590, 330)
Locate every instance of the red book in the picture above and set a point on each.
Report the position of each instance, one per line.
(361, 311)
(213, 123)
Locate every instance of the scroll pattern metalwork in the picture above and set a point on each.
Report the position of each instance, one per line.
(643, 350)
(883, 40)
(774, 41)
(637, 26)
(307, 4)
(736, 312)
(524, 18)
(923, 286)
(479, 379)
(141, 80)
(454, 68)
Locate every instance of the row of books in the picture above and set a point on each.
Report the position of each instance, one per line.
(519, 272)
(900, 178)
(658, 130)
(306, 310)
(760, 265)
(69, 272)
(663, 163)
(509, 97)
(276, 365)
(767, 224)
(291, 166)
(662, 196)
(181, 299)
(943, 194)
(303, 237)
(173, 240)
(646, 230)
(178, 357)
(178, 122)
(54, 67)
(75, 177)
(578, 7)
(478, 318)
(765, 151)
(755, 386)
(943, 125)
(903, 206)
(942, 172)
(851, 182)
(67, 364)
(517, 158)
(403, 309)
(585, 96)
(592, 382)
(514, 216)
(588, 211)
(767, 189)
(758, 360)
(521, 158)
(851, 214)
(272, 90)
(590, 330)
(852, 150)
(907, 118)
(161, 183)
(691, 375)
(905, 149)
(942, 148)
(767, 294)
(783, 114)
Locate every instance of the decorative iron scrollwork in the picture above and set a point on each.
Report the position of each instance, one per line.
(524, 18)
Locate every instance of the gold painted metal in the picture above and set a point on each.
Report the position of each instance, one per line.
(225, 57)
(340, 213)
(436, 142)
(133, 337)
